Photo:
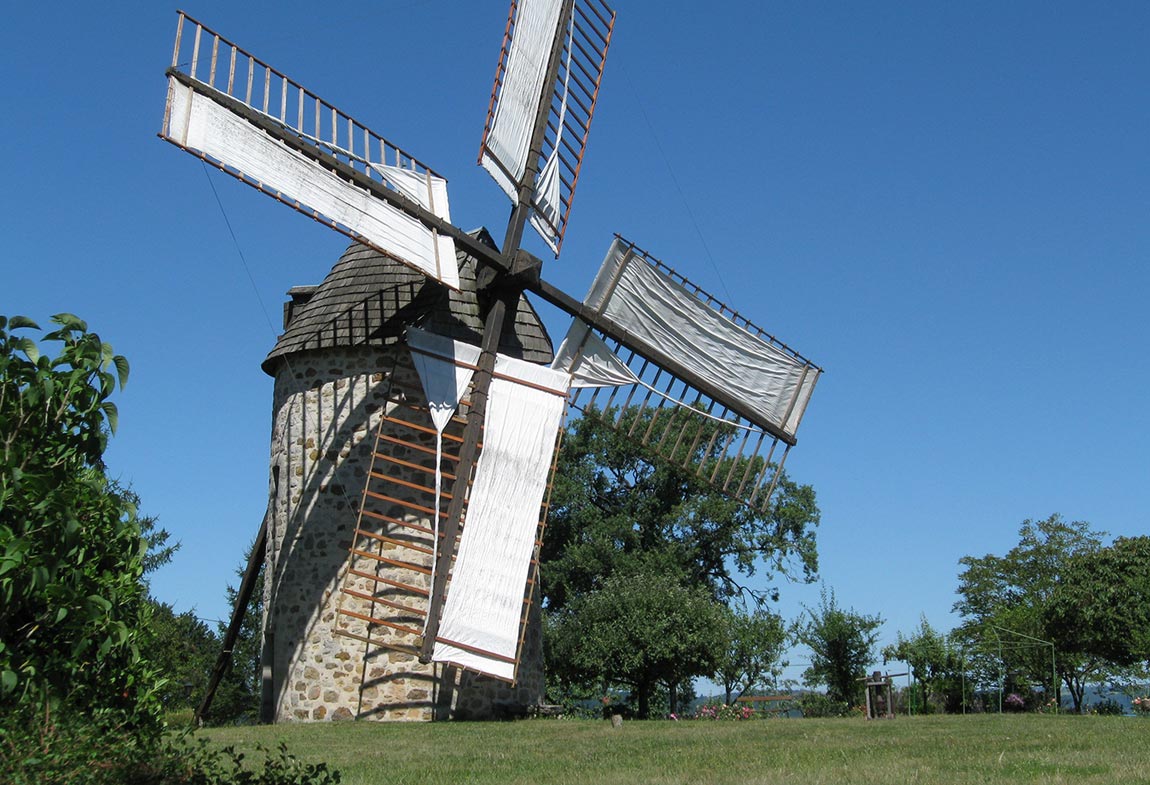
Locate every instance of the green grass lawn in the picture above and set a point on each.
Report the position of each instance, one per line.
(943, 749)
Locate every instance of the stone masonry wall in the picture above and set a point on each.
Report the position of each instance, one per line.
(327, 408)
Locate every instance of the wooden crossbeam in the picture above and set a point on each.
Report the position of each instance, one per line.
(378, 643)
(393, 541)
(402, 503)
(408, 465)
(393, 562)
(382, 601)
(388, 582)
(380, 622)
(397, 521)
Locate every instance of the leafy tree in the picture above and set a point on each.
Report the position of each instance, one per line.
(1101, 605)
(842, 644)
(1011, 596)
(78, 697)
(748, 651)
(158, 551)
(640, 629)
(72, 604)
(935, 663)
(614, 507)
(183, 648)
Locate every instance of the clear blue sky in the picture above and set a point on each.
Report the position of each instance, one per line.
(945, 205)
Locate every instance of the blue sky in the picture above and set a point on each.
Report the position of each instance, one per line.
(945, 205)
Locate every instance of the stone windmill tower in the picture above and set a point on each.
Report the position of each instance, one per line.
(414, 415)
(340, 367)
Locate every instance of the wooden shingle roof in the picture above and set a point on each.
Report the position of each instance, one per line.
(368, 299)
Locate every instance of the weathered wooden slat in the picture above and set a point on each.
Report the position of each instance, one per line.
(410, 505)
(409, 465)
(413, 485)
(398, 522)
(382, 601)
(393, 541)
(380, 644)
(390, 582)
(393, 562)
(383, 437)
(380, 622)
(421, 428)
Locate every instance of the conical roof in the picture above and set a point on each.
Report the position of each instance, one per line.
(368, 299)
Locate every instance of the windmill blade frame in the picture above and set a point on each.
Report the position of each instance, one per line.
(270, 132)
(520, 93)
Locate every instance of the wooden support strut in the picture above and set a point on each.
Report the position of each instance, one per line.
(247, 585)
(509, 290)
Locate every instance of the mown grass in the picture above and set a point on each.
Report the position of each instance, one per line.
(942, 749)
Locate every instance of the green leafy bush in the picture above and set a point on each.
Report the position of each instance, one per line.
(184, 763)
(80, 695)
(70, 749)
(1108, 707)
(816, 704)
(73, 607)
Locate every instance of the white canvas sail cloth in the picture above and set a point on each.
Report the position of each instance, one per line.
(589, 361)
(664, 321)
(198, 123)
(521, 94)
(479, 627)
(548, 204)
(430, 192)
(445, 369)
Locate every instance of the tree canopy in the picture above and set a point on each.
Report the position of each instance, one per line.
(842, 644)
(640, 630)
(749, 650)
(640, 556)
(72, 603)
(935, 662)
(613, 505)
(1011, 596)
(1101, 605)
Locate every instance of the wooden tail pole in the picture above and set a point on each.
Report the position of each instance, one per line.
(243, 596)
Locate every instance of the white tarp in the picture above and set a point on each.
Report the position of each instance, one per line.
(590, 361)
(479, 627)
(509, 138)
(430, 193)
(200, 124)
(545, 218)
(664, 321)
(445, 369)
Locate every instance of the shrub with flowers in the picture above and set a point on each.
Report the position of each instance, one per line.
(721, 711)
(1142, 706)
(1014, 702)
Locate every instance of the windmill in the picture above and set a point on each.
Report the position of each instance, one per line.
(648, 351)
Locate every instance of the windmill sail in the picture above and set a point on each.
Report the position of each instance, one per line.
(687, 377)
(520, 94)
(482, 621)
(236, 112)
